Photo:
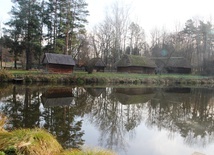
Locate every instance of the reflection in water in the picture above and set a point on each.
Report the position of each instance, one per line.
(116, 112)
(54, 97)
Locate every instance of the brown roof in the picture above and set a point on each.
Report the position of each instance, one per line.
(133, 60)
(51, 58)
(172, 62)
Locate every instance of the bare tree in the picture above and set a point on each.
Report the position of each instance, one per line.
(137, 38)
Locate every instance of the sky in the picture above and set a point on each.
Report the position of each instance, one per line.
(150, 14)
(160, 14)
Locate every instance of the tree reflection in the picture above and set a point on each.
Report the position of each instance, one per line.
(190, 114)
(112, 117)
(23, 108)
(107, 114)
(116, 112)
(60, 115)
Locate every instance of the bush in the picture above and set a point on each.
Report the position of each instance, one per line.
(5, 75)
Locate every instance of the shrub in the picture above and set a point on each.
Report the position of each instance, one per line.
(5, 75)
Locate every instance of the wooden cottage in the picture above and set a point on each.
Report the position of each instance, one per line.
(97, 64)
(58, 63)
(135, 64)
(178, 65)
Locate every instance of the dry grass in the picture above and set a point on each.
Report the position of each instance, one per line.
(29, 142)
(37, 142)
(89, 151)
(2, 122)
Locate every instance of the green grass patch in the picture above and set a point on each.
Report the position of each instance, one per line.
(81, 78)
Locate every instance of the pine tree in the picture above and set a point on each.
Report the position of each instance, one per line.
(64, 20)
(25, 24)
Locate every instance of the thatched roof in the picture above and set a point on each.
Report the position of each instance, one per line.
(133, 60)
(96, 62)
(51, 58)
(172, 62)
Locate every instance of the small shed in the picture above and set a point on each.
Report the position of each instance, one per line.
(58, 63)
(135, 64)
(178, 65)
(97, 64)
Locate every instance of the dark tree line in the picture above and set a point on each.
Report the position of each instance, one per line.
(194, 42)
(38, 26)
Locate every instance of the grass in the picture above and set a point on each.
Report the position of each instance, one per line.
(29, 141)
(89, 151)
(80, 78)
(37, 142)
(109, 75)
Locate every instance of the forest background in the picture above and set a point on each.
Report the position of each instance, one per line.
(36, 27)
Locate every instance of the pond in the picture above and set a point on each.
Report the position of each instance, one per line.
(131, 120)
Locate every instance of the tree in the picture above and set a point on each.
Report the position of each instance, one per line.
(198, 38)
(137, 38)
(56, 23)
(64, 21)
(24, 27)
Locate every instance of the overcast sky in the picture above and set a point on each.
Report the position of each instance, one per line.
(156, 13)
(149, 14)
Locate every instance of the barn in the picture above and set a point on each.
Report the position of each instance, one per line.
(135, 64)
(177, 65)
(58, 63)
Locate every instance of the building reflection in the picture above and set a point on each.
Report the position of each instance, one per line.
(134, 95)
(57, 97)
(114, 111)
(59, 116)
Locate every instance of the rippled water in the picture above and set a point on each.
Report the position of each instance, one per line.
(131, 120)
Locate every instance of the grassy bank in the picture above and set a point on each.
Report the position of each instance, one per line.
(103, 78)
(37, 142)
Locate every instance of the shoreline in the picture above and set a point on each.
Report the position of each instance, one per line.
(83, 78)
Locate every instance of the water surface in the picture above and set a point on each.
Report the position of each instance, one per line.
(129, 120)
